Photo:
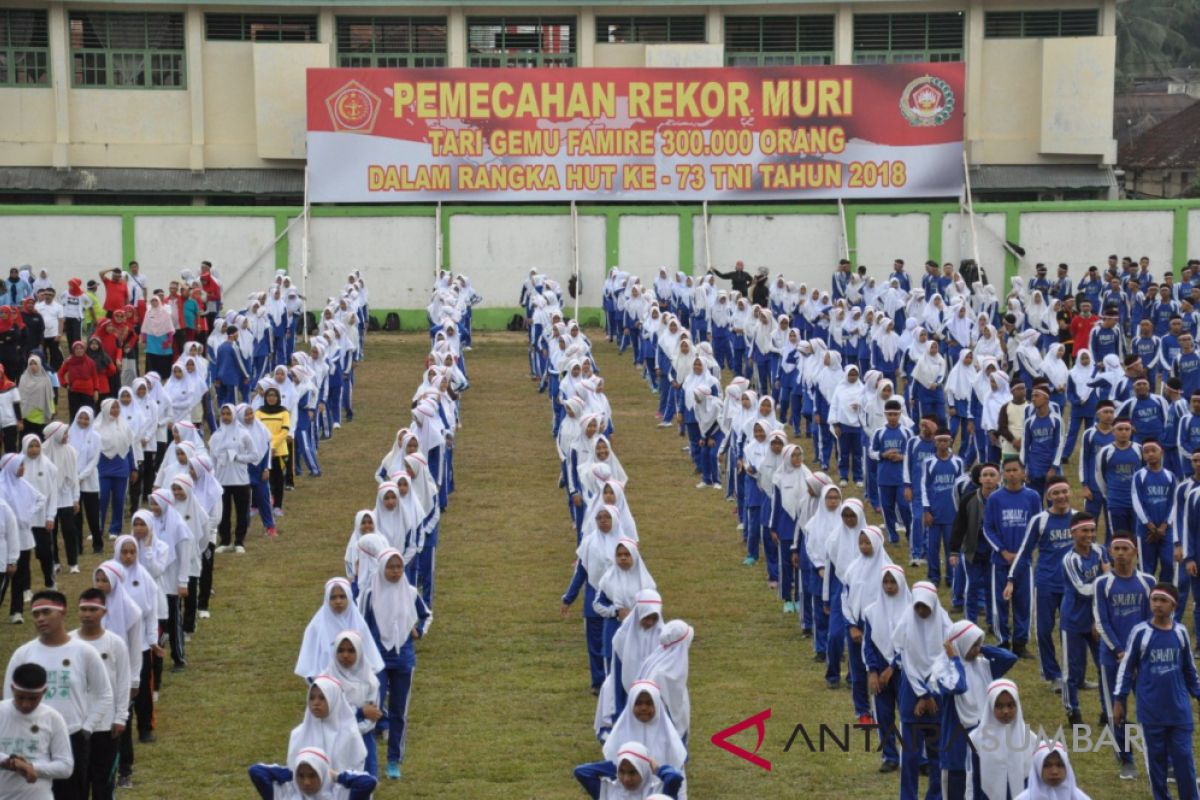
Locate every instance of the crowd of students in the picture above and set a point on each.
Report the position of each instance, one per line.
(358, 654)
(637, 659)
(131, 461)
(919, 396)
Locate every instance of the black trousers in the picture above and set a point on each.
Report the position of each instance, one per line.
(18, 582)
(76, 786)
(206, 578)
(12, 439)
(174, 630)
(190, 603)
(140, 709)
(234, 499)
(44, 547)
(89, 510)
(70, 535)
(74, 330)
(102, 764)
(278, 472)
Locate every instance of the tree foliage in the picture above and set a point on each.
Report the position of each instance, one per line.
(1156, 35)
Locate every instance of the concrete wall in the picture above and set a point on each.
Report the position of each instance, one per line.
(397, 250)
(68, 246)
(166, 245)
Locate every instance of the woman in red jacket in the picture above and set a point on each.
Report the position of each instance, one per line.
(106, 367)
(79, 377)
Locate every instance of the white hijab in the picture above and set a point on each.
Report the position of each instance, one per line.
(885, 614)
(659, 736)
(863, 576)
(324, 630)
(337, 734)
(622, 586)
(1005, 751)
(919, 641)
(969, 704)
(632, 643)
(1037, 788)
(1081, 375)
(116, 438)
(667, 667)
(394, 604)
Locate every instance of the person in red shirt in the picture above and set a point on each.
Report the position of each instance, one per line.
(116, 293)
(79, 377)
(117, 338)
(212, 292)
(1081, 326)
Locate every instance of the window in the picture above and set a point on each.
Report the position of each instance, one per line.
(774, 41)
(1041, 24)
(391, 41)
(127, 50)
(650, 30)
(897, 38)
(260, 28)
(521, 42)
(24, 49)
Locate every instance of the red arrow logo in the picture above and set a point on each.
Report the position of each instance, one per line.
(758, 721)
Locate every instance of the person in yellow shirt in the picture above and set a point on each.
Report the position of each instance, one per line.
(278, 421)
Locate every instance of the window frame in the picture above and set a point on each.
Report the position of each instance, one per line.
(763, 56)
(377, 57)
(632, 20)
(97, 59)
(248, 22)
(13, 53)
(1022, 19)
(536, 59)
(899, 55)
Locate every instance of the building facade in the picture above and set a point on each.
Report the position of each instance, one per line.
(203, 102)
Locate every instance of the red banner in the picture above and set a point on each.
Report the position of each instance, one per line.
(416, 135)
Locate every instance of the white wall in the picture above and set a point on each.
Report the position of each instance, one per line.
(804, 247)
(68, 247)
(1082, 239)
(1193, 229)
(956, 242)
(497, 252)
(395, 255)
(884, 238)
(166, 245)
(648, 243)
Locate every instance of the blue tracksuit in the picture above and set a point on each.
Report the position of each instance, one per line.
(954, 745)
(267, 777)
(1094, 440)
(1148, 414)
(1187, 369)
(1188, 529)
(1119, 605)
(1079, 573)
(1105, 341)
(916, 453)
(883, 705)
(1115, 467)
(1006, 518)
(1050, 535)
(231, 370)
(1159, 669)
(395, 681)
(889, 477)
(937, 500)
(590, 777)
(1154, 503)
(1041, 447)
(593, 623)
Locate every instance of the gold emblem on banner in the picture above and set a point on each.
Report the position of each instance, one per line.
(353, 108)
(927, 101)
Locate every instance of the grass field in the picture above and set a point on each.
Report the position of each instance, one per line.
(500, 706)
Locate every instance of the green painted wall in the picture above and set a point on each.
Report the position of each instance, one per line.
(497, 318)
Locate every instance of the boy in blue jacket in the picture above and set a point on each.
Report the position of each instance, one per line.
(1006, 517)
(1158, 667)
(1081, 567)
(230, 373)
(1153, 504)
(1120, 602)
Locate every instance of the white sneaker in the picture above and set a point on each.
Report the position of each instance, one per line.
(202, 614)
(664, 424)
(842, 483)
(741, 526)
(467, 348)
(74, 570)
(337, 426)
(716, 486)
(17, 619)
(701, 485)
(187, 637)
(156, 697)
(239, 549)
(222, 548)
(57, 568)
(277, 512)
(901, 529)
(686, 448)
(112, 537)
(859, 484)
(28, 595)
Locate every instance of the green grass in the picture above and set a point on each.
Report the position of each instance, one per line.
(500, 705)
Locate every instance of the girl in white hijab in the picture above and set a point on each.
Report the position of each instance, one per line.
(40, 473)
(918, 640)
(329, 725)
(929, 376)
(880, 619)
(1028, 357)
(646, 719)
(638, 636)
(117, 463)
(601, 452)
(1082, 397)
(397, 616)
(337, 614)
(1051, 776)
(632, 774)
(996, 398)
(1055, 370)
(122, 615)
(399, 517)
(1003, 744)
(349, 666)
(667, 668)
(86, 441)
(618, 588)
(595, 554)
(847, 418)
